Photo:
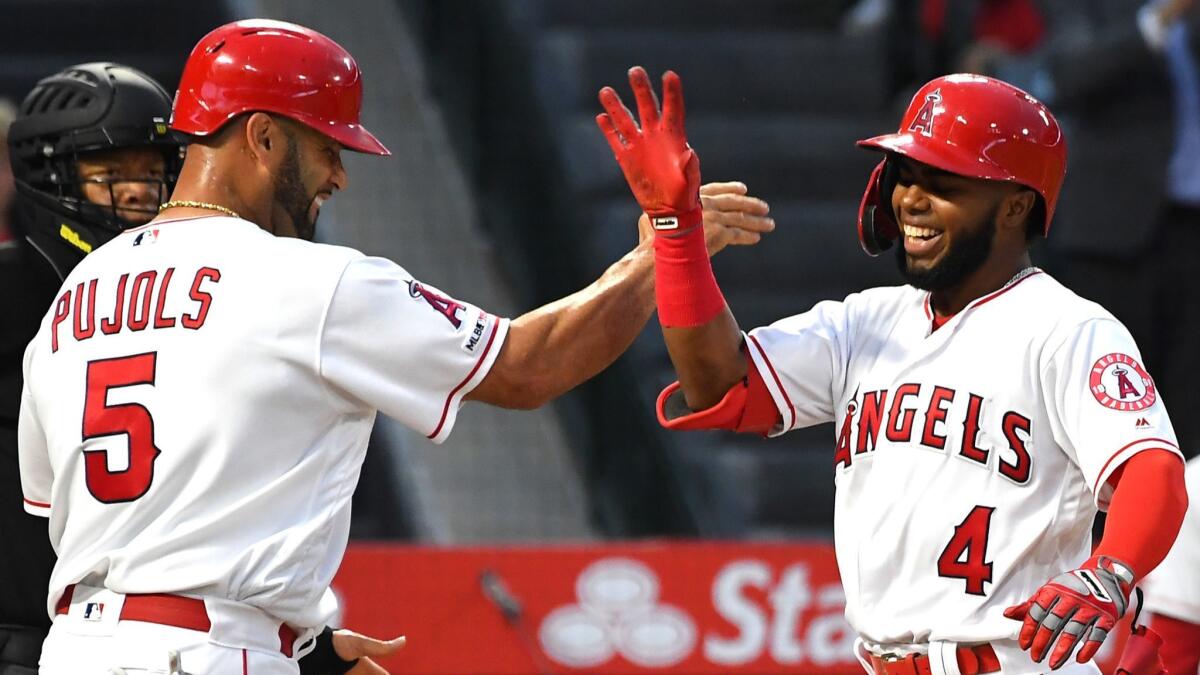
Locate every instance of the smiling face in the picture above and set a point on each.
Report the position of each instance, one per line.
(947, 221)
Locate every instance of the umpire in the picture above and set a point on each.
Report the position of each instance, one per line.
(101, 113)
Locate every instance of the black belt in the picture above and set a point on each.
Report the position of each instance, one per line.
(20, 648)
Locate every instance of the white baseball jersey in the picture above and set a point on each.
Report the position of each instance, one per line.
(971, 459)
(198, 401)
(1173, 588)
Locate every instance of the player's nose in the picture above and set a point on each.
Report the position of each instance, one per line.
(339, 179)
(136, 193)
(911, 197)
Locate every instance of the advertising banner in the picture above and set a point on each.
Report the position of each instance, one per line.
(607, 607)
(691, 607)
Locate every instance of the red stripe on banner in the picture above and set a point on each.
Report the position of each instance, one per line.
(446, 408)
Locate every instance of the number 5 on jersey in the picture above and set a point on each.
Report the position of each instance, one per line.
(131, 419)
(965, 553)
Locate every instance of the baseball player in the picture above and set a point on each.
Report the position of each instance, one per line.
(198, 399)
(92, 158)
(983, 412)
(1173, 589)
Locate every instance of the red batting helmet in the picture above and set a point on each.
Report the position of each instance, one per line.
(973, 126)
(276, 67)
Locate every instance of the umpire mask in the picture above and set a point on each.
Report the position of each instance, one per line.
(79, 113)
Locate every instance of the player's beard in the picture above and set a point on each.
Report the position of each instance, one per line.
(290, 194)
(960, 261)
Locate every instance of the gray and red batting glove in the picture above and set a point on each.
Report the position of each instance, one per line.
(1080, 606)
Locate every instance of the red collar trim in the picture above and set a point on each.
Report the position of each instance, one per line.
(939, 321)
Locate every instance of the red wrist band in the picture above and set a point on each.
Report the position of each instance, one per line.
(684, 285)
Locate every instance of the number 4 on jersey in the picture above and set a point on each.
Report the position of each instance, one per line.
(963, 557)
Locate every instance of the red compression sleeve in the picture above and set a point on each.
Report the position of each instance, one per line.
(684, 285)
(746, 408)
(1146, 510)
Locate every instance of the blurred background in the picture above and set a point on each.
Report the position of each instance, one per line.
(502, 192)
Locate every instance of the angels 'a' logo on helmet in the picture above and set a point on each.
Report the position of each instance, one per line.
(923, 121)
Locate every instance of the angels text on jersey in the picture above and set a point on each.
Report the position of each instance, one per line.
(937, 418)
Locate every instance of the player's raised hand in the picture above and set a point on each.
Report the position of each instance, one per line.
(732, 217)
(1082, 605)
(660, 167)
(350, 646)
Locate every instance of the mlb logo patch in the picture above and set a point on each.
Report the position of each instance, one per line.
(93, 611)
(147, 237)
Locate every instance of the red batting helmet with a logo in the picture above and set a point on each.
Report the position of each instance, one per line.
(275, 67)
(973, 126)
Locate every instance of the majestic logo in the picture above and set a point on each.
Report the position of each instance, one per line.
(1119, 382)
(618, 613)
(923, 122)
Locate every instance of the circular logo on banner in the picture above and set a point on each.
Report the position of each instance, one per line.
(614, 585)
(1119, 382)
(656, 637)
(576, 637)
(618, 612)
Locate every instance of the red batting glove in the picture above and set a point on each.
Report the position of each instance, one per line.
(662, 171)
(1082, 604)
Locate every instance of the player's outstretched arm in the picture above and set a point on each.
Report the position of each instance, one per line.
(1081, 607)
(554, 348)
(701, 333)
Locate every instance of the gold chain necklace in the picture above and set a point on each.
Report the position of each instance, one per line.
(187, 203)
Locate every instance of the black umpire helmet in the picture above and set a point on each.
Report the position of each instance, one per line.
(87, 108)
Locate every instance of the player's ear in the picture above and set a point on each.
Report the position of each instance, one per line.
(1015, 208)
(261, 130)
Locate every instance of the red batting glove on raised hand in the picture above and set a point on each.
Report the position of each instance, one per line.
(664, 174)
(662, 171)
(1082, 604)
